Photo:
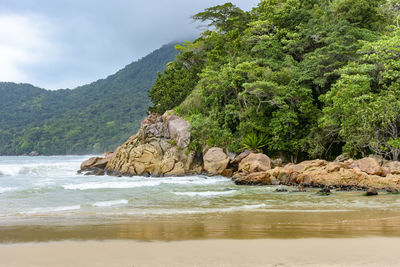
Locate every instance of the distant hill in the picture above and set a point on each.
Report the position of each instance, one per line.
(89, 119)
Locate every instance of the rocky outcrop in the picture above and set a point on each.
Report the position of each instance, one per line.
(348, 175)
(215, 161)
(160, 148)
(96, 165)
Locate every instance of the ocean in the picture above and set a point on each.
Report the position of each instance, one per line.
(44, 198)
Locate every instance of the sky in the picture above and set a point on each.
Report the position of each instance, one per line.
(56, 44)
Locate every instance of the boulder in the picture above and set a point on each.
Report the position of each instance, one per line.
(179, 131)
(215, 161)
(88, 164)
(95, 165)
(255, 178)
(367, 165)
(371, 192)
(255, 162)
(34, 154)
(241, 156)
(168, 116)
(159, 148)
(392, 167)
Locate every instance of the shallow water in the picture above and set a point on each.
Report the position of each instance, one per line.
(43, 198)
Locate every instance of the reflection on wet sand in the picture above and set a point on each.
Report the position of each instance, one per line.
(242, 225)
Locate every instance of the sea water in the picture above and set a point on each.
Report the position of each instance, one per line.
(44, 192)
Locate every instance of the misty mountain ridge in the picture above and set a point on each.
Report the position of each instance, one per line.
(88, 119)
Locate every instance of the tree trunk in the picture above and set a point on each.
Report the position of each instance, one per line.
(395, 154)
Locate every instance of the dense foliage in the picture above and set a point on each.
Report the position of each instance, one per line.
(90, 119)
(316, 77)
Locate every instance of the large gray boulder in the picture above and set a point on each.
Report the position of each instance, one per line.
(179, 132)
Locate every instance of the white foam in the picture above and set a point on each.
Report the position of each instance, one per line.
(110, 185)
(205, 194)
(195, 211)
(52, 209)
(111, 203)
(6, 189)
(38, 169)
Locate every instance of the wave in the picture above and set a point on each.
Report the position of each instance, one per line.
(111, 203)
(51, 209)
(142, 182)
(110, 185)
(6, 189)
(205, 193)
(40, 169)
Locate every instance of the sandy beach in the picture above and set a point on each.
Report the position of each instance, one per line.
(259, 252)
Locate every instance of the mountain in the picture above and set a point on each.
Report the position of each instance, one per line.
(89, 119)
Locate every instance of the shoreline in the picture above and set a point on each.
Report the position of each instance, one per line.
(370, 251)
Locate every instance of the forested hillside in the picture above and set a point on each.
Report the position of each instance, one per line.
(295, 78)
(89, 119)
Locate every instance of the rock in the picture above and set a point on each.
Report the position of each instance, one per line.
(392, 167)
(168, 116)
(157, 129)
(108, 154)
(33, 154)
(393, 190)
(277, 162)
(87, 164)
(324, 191)
(255, 162)
(371, 192)
(159, 148)
(241, 156)
(319, 173)
(256, 178)
(367, 165)
(179, 131)
(281, 190)
(95, 165)
(341, 158)
(95, 171)
(227, 173)
(215, 161)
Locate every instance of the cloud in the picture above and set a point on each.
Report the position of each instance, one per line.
(24, 43)
(66, 43)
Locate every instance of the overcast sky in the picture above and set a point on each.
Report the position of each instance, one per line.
(65, 43)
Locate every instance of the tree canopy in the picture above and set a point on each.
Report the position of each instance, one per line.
(289, 71)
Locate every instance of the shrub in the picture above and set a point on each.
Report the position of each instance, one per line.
(254, 141)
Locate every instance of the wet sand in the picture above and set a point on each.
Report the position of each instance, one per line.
(259, 252)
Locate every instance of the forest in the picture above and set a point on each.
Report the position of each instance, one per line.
(299, 79)
(89, 119)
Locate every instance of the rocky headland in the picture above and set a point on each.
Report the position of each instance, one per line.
(161, 148)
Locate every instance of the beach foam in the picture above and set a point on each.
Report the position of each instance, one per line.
(111, 203)
(205, 194)
(6, 189)
(51, 209)
(110, 185)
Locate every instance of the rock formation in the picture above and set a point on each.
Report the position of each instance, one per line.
(160, 148)
(349, 175)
